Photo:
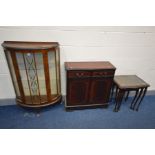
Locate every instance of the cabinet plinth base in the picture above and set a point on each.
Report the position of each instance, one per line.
(81, 107)
(57, 100)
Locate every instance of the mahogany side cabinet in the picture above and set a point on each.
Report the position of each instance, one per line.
(35, 72)
(88, 84)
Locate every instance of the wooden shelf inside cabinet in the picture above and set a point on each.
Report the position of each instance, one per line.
(88, 84)
(35, 72)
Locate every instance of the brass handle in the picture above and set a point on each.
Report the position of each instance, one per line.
(79, 74)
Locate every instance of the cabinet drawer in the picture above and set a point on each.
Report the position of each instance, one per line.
(103, 73)
(78, 74)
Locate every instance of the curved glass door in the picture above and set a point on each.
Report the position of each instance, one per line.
(32, 76)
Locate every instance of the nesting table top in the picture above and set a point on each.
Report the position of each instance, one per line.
(130, 81)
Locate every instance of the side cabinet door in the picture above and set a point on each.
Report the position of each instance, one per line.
(77, 91)
(100, 90)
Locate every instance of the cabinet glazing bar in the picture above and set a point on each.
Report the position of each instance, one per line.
(56, 72)
(57, 49)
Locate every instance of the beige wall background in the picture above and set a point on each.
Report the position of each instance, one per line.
(130, 49)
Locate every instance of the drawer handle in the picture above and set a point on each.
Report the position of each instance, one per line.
(79, 74)
(102, 73)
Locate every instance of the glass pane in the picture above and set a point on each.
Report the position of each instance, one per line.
(41, 76)
(13, 73)
(22, 72)
(52, 70)
(31, 73)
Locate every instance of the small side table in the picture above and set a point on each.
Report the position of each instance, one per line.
(125, 84)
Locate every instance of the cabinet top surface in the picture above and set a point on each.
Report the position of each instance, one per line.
(94, 65)
(28, 45)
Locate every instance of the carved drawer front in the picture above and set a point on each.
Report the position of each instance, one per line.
(103, 73)
(78, 74)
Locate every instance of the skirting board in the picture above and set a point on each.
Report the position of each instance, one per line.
(11, 101)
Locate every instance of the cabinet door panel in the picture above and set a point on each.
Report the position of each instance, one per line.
(100, 90)
(77, 92)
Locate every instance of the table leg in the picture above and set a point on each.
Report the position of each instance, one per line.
(115, 100)
(127, 95)
(132, 103)
(116, 93)
(140, 93)
(112, 91)
(144, 92)
(119, 98)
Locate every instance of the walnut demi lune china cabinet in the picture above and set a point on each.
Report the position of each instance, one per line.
(35, 72)
(88, 84)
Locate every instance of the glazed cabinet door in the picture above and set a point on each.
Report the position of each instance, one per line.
(100, 90)
(31, 75)
(77, 91)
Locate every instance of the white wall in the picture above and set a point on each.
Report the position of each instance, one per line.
(130, 49)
